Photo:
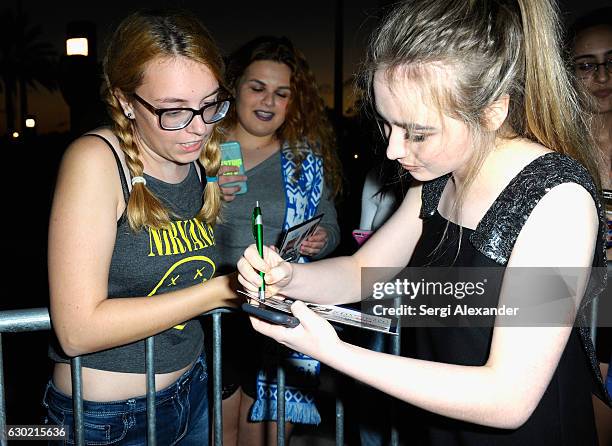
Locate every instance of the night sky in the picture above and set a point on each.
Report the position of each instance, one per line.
(310, 24)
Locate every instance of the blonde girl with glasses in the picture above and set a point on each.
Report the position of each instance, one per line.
(478, 105)
(132, 250)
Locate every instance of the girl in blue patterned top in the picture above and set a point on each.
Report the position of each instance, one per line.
(292, 169)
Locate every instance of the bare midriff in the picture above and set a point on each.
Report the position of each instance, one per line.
(102, 385)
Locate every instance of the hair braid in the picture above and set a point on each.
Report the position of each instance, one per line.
(211, 160)
(139, 39)
(143, 207)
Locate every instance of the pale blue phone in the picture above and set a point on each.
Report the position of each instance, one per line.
(232, 156)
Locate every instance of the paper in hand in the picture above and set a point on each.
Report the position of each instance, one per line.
(291, 241)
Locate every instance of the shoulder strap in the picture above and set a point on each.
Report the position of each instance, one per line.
(498, 230)
(201, 172)
(430, 195)
(121, 167)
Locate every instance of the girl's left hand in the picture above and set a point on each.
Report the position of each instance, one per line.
(315, 243)
(314, 336)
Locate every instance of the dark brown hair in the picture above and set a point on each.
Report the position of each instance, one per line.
(306, 120)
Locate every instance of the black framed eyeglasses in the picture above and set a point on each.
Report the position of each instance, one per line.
(586, 69)
(179, 118)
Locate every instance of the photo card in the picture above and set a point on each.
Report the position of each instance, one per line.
(291, 239)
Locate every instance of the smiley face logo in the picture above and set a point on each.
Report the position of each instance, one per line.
(190, 270)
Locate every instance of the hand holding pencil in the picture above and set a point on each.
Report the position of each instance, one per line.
(276, 272)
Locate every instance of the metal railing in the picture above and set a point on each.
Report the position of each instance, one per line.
(37, 319)
(15, 321)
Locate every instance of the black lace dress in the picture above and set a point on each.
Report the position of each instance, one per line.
(564, 415)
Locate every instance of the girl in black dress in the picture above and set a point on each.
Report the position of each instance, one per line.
(480, 108)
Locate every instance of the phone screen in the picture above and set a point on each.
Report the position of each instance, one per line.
(231, 155)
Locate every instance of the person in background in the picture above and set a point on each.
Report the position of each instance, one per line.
(289, 153)
(378, 200)
(132, 250)
(590, 39)
(380, 197)
(591, 48)
(478, 104)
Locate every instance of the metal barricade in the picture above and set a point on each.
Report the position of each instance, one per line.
(37, 319)
(15, 321)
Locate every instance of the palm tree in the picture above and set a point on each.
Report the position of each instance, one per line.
(25, 61)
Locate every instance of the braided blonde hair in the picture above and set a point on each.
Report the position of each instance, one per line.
(139, 38)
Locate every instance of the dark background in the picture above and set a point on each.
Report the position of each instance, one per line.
(32, 160)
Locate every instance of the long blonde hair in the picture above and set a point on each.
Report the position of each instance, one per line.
(139, 38)
(494, 47)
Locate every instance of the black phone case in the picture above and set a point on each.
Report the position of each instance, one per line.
(274, 317)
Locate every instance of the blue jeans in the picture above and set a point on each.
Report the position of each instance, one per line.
(181, 414)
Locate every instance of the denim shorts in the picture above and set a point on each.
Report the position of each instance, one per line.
(181, 414)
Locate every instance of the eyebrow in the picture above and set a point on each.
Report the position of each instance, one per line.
(606, 54)
(412, 126)
(406, 126)
(263, 84)
(171, 100)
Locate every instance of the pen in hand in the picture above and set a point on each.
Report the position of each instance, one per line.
(258, 234)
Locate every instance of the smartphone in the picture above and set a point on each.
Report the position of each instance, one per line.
(274, 317)
(232, 156)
